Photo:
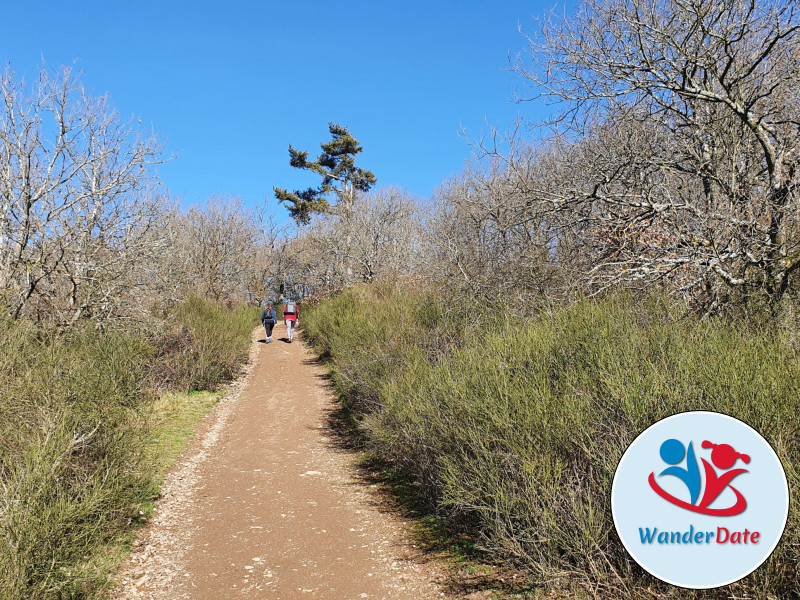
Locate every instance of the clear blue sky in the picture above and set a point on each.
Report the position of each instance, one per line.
(230, 85)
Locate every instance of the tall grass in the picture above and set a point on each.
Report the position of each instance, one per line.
(71, 430)
(515, 429)
(75, 416)
(206, 345)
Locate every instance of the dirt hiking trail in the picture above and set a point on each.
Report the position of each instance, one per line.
(265, 505)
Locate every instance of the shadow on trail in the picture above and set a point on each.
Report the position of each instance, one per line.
(323, 376)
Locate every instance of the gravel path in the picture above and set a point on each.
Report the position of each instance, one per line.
(264, 504)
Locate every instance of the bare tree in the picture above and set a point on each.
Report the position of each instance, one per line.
(683, 117)
(77, 198)
(380, 229)
(267, 263)
(377, 237)
(488, 240)
(215, 248)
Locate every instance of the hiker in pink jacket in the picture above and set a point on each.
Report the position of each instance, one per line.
(291, 313)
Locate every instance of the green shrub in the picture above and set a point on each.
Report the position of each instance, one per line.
(516, 429)
(80, 441)
(201, 345)
(71, 474)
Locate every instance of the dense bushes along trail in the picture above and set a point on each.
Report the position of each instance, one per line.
(88, 422)
(511, 429)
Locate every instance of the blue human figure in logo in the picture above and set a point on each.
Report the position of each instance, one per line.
(672, 452)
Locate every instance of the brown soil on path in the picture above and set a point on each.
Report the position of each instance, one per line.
(264, 504)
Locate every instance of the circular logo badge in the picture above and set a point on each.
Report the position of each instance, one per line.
(700, 500)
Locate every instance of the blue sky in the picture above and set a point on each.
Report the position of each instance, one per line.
(229, 85)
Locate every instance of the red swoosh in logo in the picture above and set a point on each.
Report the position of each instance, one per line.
(737, 508)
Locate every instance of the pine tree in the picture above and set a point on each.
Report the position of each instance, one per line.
(340, 176)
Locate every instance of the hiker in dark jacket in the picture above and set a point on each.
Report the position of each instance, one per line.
(268, 319)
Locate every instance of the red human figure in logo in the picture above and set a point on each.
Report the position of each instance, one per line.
(724, 457)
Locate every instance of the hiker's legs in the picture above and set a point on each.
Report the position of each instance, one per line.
(290, 329)
(268, 327)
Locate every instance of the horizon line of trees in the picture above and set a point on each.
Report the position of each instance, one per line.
(672, 165)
